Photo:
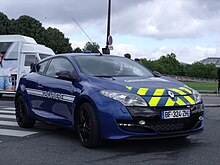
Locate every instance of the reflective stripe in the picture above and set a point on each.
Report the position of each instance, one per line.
(186, 89)
(159, 92)
(154, 101)
(51, 95)
(180, 102)
(170, 102)
(189, 99)
(142, 91)
(129, 87)
(178, 91)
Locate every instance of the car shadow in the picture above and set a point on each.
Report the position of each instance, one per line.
(127, 146)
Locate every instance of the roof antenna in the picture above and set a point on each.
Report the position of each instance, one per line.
(84, 32)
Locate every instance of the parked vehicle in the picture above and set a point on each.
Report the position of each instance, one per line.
(107, 97)
(19, 52)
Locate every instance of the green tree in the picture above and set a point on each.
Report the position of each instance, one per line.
(165, 65)
(4, 23)
(28, 26)
(56, 41)
(198, 69)
(77, 50)
(92, 46)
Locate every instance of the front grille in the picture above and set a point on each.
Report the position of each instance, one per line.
(156, 124)
(164, 126)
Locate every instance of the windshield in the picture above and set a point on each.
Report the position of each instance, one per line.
(111, 66)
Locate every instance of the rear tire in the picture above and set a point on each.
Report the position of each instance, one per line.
(88, 126)
(21, 112)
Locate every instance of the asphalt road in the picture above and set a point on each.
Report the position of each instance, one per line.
(47, 144)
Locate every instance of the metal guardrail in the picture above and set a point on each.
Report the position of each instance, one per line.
(193, 79)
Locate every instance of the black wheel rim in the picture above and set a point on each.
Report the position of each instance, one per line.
(20, 111)
(84, 126)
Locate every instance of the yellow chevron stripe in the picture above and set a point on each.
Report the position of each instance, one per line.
(142, 91)
(158, 92)
(129, 87)
(189, 99)
(170, 102)
(154, 101)
(178, 91)
(186, 89)
(180, 102)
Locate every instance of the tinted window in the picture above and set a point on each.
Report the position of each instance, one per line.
(41, 67)
(30, 59)
(10, 50)
(42, 56)
(58, 65)
(111, 66)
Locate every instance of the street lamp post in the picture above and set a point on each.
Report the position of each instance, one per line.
(106, 49)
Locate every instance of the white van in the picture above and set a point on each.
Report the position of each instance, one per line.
(19, 52)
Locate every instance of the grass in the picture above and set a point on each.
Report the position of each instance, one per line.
(209, 86)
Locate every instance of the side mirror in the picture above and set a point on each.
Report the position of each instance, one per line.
(66, 75)
(156, 74)
(32, 66)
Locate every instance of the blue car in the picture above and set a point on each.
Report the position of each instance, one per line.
(107, 97)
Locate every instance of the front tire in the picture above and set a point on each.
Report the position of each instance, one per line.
(21, 112)
(88, 126)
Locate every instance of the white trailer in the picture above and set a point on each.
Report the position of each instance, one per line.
(19, 52)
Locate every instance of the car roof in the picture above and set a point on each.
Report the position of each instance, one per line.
(87, 54)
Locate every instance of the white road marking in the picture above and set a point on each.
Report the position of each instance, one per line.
(8, 116)
(9, 112)
(9, 108)
(8, 123)
(16, 133)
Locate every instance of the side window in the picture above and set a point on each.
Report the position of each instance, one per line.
(30, 59)
(58, 65)
(41, 67)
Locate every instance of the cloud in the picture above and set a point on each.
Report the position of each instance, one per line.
(186, 55)
(157, 19)
(190, 26)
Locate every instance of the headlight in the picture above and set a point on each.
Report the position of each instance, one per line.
(127, 99)
(197, 96)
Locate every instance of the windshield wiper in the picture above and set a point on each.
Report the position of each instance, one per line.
(103, 76)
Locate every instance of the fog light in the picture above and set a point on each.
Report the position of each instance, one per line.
(201, 118)
(142, 122)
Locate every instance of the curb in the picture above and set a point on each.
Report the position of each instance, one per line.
(212, 105)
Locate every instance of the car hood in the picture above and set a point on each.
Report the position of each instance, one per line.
(156, 91)
(144, 86)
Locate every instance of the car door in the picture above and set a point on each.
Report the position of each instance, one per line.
(59, 94)
(34, 90)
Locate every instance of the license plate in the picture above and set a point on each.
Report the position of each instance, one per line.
(173, 114)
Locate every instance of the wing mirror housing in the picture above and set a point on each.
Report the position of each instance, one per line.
(66, 75)
(156, 74)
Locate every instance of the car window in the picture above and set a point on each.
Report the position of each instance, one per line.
(58, 65)
(42, 56)
(41, 67)
(30, 59)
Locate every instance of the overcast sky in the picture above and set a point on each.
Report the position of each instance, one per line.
(144, 28)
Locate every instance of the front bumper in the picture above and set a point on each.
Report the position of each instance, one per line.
(150, 125)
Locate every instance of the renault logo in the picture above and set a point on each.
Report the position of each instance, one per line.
(171, 94)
